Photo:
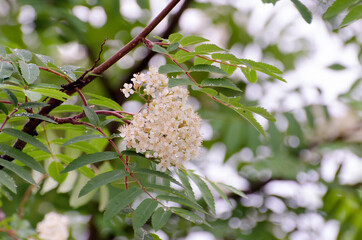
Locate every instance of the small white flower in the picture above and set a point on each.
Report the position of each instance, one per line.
(53, 227)
(127, 90)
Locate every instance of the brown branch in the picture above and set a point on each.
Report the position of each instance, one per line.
(71, 88)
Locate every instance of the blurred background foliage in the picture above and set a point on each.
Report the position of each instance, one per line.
(295, 178)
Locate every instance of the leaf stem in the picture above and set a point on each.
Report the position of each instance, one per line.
(8, 117)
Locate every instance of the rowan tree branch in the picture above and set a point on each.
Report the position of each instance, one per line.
(71, 88)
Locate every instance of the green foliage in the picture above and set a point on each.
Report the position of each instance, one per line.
(22, 157)
(120, 201)
(88, 159)
(303, 10)
(21, 172)
(102, 179)
(67, 141)
(160, 217)
(54, 170)
(26, 138)
(143, 212)
(7, 181)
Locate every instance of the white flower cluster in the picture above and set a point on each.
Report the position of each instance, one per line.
(53, 227)
(167, 129)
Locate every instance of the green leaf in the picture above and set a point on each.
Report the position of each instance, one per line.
(205, 191)
(2, 52)
(68, 108)
(120, 201)
(11, 96)
(175, 37)
(22, 54)
(36, 116)
(89, 159)
(15, 64)
(210, 91)
(220, 192)
(199, 60)
(337, 67)
(182, 201)
(143, 4)
(337, 7)
(164, 188)
(82, 146)
(249, 74)
(48, 92)
(191, 40)
(11, 87)
(45, 85)
(6, 70)
(262, 112)
(22, 157)
(26, 138)
(3, 109)
(155, 237)
(185, 181)
(207, 68)
(170, 68)
(92, 116)
(189, 216)
(234, 190)
(270, 1)
(182, 56)
(143, 212)
(69, 71)
(158, 174)
(102, 179)
(141, 234)
(44, 59)
(227, 68)
(54, 170)
(264, 68)
(29, 71)
(354, 14)
(82, 138)
(7, 181)
(159, 49)
(106, 102)
(173, 82)
(33, 96)
(20, 171)
(32, 105)
(303, 10)
(249, 116)
(83, 170)
(160, 38)
(173, 46)
(208, 48)
(131, 153)
(160, 218)
(225, 57)
(219, 82)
